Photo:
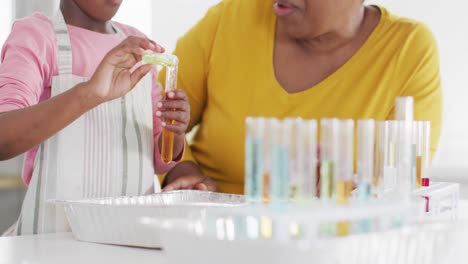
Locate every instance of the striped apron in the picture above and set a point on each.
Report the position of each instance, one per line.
(107, 152)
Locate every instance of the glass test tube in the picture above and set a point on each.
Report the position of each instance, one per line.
(365, 164)
(255, 129)
(381, 150)
(310, 167)
(346, 161)
(271, 126)
(424, 151)
(390, 165)
(404, 113)
(280, 162)
(303, 168)
(171, 62)
(297, 159)
(328, 157)
(344, 185)
(365, 159)
(404, 159)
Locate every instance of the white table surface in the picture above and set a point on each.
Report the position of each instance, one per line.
(63, 248)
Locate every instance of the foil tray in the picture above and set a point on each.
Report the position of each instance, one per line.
(118, 221)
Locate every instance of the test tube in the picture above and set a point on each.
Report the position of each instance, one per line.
(390, 167)
(416, 156)
(297, 159)
(310, 166)
(171, 62)
(381, 152)
(271, 127)
(303, 169)
(255, 129)
(344, 185)
(365, 164)
(329, 157)
(280, 162)
(404, 113)
(424, 162)
(365, 159)
(346, 161)
(404, 161)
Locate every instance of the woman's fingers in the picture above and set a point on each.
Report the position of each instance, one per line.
(179, 105)
(207, 185)
(184, 183)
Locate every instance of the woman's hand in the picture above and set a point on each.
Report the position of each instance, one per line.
(174, 112)
(115, 75)
(187, 176)
(192, 182)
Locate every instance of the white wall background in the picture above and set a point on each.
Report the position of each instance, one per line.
(165, 21)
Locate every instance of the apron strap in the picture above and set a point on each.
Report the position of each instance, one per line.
(64, 49)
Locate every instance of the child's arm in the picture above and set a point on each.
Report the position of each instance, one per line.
(23, 129)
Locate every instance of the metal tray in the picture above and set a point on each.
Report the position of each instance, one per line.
(118, 221)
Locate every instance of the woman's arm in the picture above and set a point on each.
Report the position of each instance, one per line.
(194, 52)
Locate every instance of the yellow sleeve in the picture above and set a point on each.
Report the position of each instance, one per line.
(420, 60)
(194, 53)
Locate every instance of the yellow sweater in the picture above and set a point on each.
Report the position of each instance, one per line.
(226, 67)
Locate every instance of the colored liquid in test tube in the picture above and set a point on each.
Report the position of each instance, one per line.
(255, 130)
(329, 154)
(280, 162)
(365, 164)
(345, 172)
(303, 168)
(171, 62)
(425, 142)
(365, 159)
(271, 125)
(381, 152)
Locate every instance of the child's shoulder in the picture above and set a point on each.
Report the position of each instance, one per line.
(35, 32)
(37, 21)
(129, 30)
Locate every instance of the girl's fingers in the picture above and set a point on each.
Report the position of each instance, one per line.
(139, 73)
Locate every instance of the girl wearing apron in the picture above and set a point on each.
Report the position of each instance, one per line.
(97, 136)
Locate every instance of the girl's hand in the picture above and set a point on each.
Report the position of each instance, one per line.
(174, 111)
(115, 75)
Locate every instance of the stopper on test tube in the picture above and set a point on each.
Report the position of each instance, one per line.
(162, 59)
